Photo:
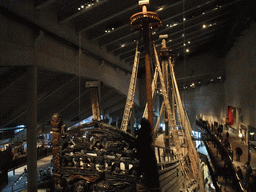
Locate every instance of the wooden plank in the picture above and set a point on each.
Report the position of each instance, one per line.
(165, 181)
(169, 168)
(167, 174)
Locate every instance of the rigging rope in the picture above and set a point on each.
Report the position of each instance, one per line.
(79, 77)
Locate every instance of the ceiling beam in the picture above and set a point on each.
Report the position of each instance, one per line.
(127, 25)
(21, 110)
(106, 19)
(111, 42)
(187, 21)
(180, 31)
(81, 12)
(44, 4)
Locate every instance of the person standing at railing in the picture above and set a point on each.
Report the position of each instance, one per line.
(239, 173)
(251, 185)
(147, 159)
(239, 152)
(227, 135)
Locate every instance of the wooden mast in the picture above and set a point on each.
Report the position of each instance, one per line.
(146, 21)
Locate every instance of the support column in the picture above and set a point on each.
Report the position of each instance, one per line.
(32, 129)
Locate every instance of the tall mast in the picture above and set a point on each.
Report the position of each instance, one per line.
(146, 21)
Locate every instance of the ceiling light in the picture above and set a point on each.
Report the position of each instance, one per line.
(82, 6)
(184, 44)
(167, 25)
(203, 13)
(184, 19)
(122, 45)
(113, 29)
(204, 26)
(170, 40)
(160, 9)
(79, 8)
(187, 50)
(188, 42)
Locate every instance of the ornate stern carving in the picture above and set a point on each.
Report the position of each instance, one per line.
(57, 128)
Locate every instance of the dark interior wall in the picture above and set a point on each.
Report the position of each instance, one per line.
(207, 100)
(238, 89)
(240, 84)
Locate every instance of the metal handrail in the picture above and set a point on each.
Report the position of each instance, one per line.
(237, 184)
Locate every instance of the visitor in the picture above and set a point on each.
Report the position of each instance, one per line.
(239, 152)
(239, 173)
(248, 172)
(146, 154)
(242, 140)
(227, 135)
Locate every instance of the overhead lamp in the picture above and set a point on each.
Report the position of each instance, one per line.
(187, 50)
(204, 26)
(79, 8)
(82, 6)
(188, 42)
(184, 44)
(184, 19)
(160, 9)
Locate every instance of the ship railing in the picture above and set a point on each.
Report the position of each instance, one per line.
(165, 156)
(236, 182)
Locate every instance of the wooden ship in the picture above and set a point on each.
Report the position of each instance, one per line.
(96, 156)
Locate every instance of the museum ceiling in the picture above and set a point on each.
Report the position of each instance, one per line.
(193, 27)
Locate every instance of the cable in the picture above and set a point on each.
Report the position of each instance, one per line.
(79, 77)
